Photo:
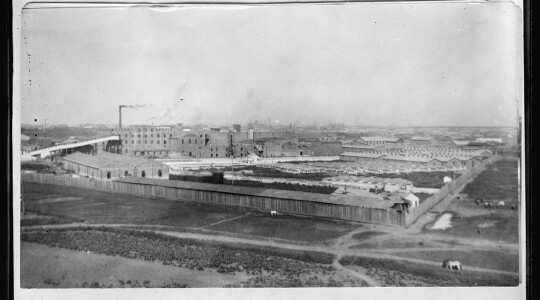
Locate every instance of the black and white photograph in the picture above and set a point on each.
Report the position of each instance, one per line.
(323, 146)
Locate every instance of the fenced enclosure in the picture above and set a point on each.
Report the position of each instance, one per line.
(297, 204)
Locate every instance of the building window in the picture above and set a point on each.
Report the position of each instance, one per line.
(143, 174)
(132, 142)
(145, 135)
(126, 135)
(126, 173)
(216, 155)
(152, 141)
(158, 135)
(138, 135)
(170, 135)
(158, 141)
(151, 135)
(182, 142)
(108, 174)
(126, 151)
(159, 173)
(211, 155)
(189, 141)
(145, 142)
(164, 142)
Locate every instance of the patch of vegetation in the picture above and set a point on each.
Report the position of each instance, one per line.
(400, 273)
(504, 228)
(285, 227)
(497, 260)
(192, 254)
(366, 235)
(498, 181)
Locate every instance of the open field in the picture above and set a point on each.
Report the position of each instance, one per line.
(497, 260)
(398, 273)
(498, 182)
(469, 220)
(58, 204)
(286, 227)
(241, 265)
(50, 267)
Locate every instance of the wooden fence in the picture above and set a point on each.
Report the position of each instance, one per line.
(290, 206)
(433, 200)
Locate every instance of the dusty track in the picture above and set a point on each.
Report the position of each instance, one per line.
(339, 248)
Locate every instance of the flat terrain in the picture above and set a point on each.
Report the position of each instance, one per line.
(84, 238)
(57, 205)
(469, 220)
(50, 267)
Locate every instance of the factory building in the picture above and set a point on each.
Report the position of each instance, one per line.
(325, 148)
(111, 166)
(159, 141)
(267, 147)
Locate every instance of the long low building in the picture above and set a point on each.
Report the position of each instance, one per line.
(429, 161)
(344, 207)
(107, 165)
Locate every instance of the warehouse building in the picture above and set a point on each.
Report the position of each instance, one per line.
(111, 166)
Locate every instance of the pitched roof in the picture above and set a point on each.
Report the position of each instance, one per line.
(421, 138)
(358, 154)
(104, 159)
(379, 139)
(360, 201)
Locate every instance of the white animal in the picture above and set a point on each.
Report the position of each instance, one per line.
(452, 265)
(500, 204)
(274, 213)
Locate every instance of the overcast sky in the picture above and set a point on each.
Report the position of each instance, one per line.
(366, 64)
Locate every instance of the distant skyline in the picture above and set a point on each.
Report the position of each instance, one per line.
(386, 64)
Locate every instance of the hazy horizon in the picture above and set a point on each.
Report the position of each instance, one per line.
(392, 64)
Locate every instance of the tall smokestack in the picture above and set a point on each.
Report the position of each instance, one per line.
(120, 116)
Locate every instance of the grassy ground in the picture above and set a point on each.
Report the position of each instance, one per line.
(498, 181)
(75, 204)
(496, 260)
(400, 273)
(285, 227)
(43, 266)
(366, 235)
(494, 227)
(111, 208)
(255, 266)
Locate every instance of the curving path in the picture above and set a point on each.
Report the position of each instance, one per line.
(339, 248)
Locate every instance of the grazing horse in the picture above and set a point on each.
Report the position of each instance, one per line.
(274, 213)
(479, 200)
(513, 206)
(500, 204)
(451, 264)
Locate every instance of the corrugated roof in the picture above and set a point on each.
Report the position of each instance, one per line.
(421, 138)
(359, 146)
(379, 139)
(358, 154)
(409, 158)
(280, 194)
